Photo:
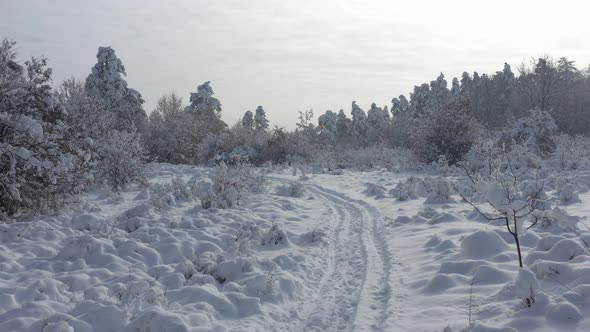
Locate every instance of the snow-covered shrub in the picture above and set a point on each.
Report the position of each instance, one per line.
(248, 233)
(292, 190)
(227, 184)
(526, 286)
(440, 192)
(570, 152)
(181, 189)
(512, 194)
(120, 160)
(568, 194)
(411, 188)
(275, 235)
(536, 131)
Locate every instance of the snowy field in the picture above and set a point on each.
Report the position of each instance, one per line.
(356, 251)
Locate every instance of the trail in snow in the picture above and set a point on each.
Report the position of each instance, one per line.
(355, 291)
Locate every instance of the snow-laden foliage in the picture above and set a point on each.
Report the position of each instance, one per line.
(227, 185)
(447, 132)
(36, 162)
(536, 131)
(121, 159)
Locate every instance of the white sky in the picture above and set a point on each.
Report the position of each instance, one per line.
(291, 55)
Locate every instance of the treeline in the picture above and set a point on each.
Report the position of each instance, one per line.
(55, 142)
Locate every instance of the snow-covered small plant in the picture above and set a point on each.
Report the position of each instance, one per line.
(514, 196)
(275, 235)
(204, 191)
(526, 286)
(291, 190)
(248, 233)
(570, 152)
(180, 188)
(227, 184)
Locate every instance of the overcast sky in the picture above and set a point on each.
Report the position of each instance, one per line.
(291, 55)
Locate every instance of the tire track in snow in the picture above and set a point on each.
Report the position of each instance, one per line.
(354, 294)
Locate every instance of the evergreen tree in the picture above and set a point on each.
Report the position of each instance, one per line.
(107, 85)
(260, 121)
(359, 121)
(203, 102)
(248, 121)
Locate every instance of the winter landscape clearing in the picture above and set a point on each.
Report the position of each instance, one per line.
(322, 253)
(461, 206)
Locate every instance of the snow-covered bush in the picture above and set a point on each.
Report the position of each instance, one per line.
(291, 190)
(275, 235)
(440, 192)
(536, 131)
(227, 184)
(513, 196)
(570, 152)
(121, 160)
(411, 188)
(526, 286)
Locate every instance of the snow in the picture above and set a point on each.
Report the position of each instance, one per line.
(358, 251)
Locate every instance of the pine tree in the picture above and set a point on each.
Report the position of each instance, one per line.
(248, 121)
(260, 121)
(107, 85)
(203, 102)
(376, 122)
(328, 125)
(359, 121)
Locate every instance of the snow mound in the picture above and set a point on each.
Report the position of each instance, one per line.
(563, 251)
(374, 190)
(563, 312)
(483, 244)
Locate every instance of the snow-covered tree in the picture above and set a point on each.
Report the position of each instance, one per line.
(359, 121)
(328, 125)
(455, 87)
(399, 105)
(107, 85)
(260, 121)
(439, 93)
(35, 161)
(386, 114)
(248, 120)
(343, 127)
(447, 133)
(376, 122)
(203, 101)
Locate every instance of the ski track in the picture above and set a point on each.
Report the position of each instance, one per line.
(354, 293)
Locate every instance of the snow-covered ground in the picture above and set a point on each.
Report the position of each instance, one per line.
(327, 253)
